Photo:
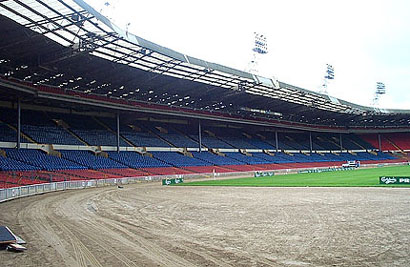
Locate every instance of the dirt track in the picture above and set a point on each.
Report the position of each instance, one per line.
(150, 225)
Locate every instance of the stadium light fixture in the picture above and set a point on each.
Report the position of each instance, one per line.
(380, 90)
(330, 75)
(260, 47)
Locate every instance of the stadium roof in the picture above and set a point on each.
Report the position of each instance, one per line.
(69, 45)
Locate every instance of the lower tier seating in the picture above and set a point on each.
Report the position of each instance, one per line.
(25, 167)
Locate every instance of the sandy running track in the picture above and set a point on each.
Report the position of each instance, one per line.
(151, 225)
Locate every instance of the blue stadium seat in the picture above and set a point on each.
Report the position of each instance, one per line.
(41, 160)
(179, 160)
(215, 159)
(88, 159)
(135, 160)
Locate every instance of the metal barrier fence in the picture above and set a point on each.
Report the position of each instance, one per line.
(36, 189)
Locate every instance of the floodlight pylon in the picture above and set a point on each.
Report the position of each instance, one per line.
(380, 90)
(329, 75)
(259, 49)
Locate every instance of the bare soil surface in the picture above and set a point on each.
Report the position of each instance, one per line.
(152, 225)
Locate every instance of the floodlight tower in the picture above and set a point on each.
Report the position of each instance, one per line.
(380, 90)
(330, 75)
(259, 49)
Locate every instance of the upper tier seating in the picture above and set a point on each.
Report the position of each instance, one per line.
(210, 141)
(7, 134)
(178, 138)
(140, 136)
(350, 142)
(50, 135)
(143, 139)
(42, 129)
(292, 141)
(401, 140)
(233, 137)
(88, 129)
(373, 140)
(38, 126)
(260, 144)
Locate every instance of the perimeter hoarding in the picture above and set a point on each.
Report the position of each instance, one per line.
(172, 181)
(394, 179)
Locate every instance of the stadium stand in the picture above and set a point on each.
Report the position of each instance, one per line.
(161, 98)
(35, 166)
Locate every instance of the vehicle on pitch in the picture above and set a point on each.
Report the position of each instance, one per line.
(351, 164)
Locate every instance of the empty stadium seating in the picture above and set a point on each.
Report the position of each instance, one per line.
(25, 166)
(178, 160)
(89, 160)
(172, 136)
(7, 134)
(385, 143)
(41, 160)
(401, 140)
(29, 166)
(213, 159)
(135, 160)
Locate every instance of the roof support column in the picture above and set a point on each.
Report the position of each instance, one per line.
(379, 137)
(310, 142)
(18, 123)
(118, 132)
(276, 141)
(199, 136)
(341, 142)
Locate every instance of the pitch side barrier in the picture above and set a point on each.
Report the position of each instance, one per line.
(37, 189)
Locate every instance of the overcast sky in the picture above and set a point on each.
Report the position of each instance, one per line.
(366, 41)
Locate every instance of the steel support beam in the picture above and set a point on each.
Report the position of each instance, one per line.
(379, 137)
(118, 132)
(18, 123)
(200, 136)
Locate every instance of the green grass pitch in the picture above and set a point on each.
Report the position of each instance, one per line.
(357, 177)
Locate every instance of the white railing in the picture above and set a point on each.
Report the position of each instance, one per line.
(36, 189)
